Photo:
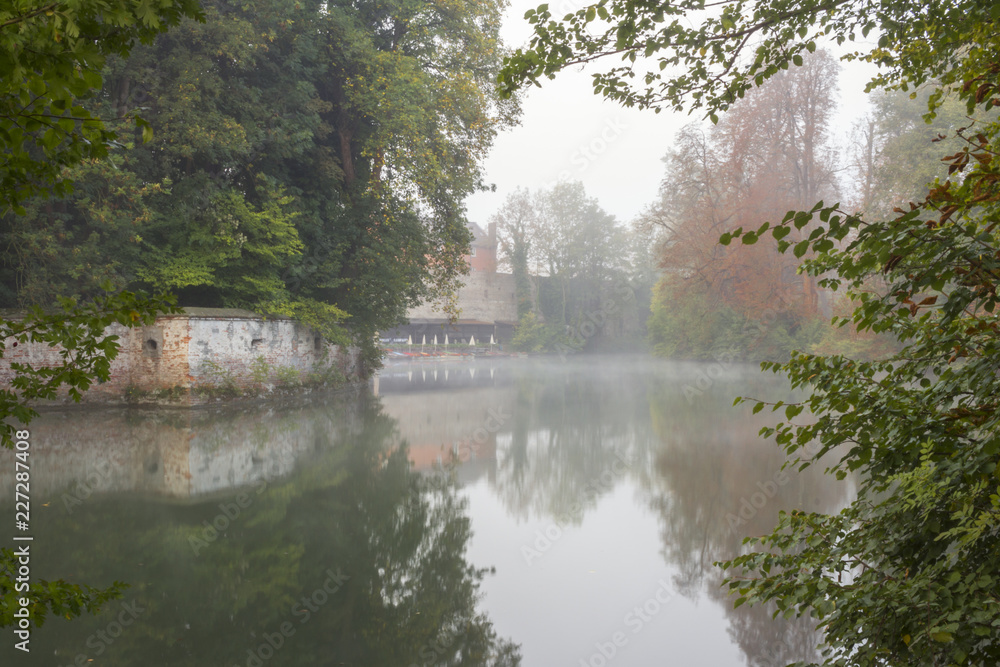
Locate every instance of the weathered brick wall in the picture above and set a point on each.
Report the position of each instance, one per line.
(181, 353)
(235, 344)
(487, 297)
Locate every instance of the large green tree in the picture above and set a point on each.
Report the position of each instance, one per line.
(307, 158)
(908, 573)
(51, 54)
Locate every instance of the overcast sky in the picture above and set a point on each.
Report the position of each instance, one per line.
(568, 133)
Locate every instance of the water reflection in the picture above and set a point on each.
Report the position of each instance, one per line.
(579, 433)
(715, 482)
(352, 559)
(361, 525)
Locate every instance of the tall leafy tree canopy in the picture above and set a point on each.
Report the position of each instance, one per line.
(307, 158)
(908, 573)
(51, 55)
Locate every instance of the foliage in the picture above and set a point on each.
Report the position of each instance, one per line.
(689, 322)
(588, 268)
(308, 159)
(221, 382)
(848, 342)
(287, 376)
(533, 334)
(907, 573)
(917, 549)
(56, 597)
(51, 54)
(712, 60)
(770, 153)
(897, 152)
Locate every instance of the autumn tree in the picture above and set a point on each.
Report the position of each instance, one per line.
(769, 154)
(907, 573)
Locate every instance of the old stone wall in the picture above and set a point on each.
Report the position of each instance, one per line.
(204, 348)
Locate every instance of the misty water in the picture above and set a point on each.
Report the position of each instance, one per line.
(588, 499)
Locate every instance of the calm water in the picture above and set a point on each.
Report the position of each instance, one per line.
(455, 514)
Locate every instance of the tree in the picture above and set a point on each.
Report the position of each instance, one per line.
(513, 223)
(907, 573)
(308, 159)
(51, 54)
(588, 268)
(768, 154)
(897, 153)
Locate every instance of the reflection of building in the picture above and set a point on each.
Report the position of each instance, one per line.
(486, 302)
(449, 414)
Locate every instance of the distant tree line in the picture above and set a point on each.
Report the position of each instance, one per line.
(583, 281)
(773, 152)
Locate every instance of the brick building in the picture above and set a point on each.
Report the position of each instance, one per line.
(486, 302)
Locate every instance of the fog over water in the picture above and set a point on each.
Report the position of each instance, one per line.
(600, 489)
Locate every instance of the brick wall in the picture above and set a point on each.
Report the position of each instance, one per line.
(182, 352)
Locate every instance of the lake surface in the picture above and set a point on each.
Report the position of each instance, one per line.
(499, 512)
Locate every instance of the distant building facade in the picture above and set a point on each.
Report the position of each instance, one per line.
(486, 302)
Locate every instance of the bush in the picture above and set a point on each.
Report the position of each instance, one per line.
(534, 335)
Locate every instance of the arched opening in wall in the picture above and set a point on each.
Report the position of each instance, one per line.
(151, 348)
(318, 343)
(256, 342)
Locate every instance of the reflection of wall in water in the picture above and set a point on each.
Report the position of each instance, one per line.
(177, 454)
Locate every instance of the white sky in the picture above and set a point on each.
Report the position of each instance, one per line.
(569, 133)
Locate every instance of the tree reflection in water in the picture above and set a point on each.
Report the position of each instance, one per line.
(716, 482)
(697, 461)
(356, 509)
